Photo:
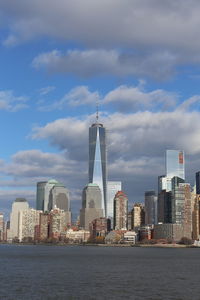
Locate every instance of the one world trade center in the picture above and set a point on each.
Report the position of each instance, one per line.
(98, 160)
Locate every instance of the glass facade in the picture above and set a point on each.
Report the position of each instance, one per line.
(98, 160)
(175, 164)
(112, 188)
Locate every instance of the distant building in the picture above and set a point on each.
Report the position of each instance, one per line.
(150, 207)
(40, 195)
(98, 160)
(59, 197)
(120, 211)
(112, 188)
(165, 207)
(173, 232)
(145, 233)
(78, 236)
(98, 227)
(18, 204)
(91, 205)
(60, 220)
(44, 227)
(175, 163)
(1, 227)
(138, 215)
(130, 237)
(47, 189)
(182, 205)
(28, 219)
(198, 183)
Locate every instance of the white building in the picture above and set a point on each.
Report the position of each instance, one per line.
(18, 204)
(28, 219)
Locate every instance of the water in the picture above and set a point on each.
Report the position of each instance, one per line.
(75, 272)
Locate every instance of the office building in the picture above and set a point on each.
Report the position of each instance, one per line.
(59, 197)
(98, 228)
(47, 189)
(198, 183)
(1, 227)
(182, 206)
(112, 188)
(59, 222)
(150, 207)
(91, 205)
(98, 160)
(120, 211)
(40, 195)
(165, 207)
(175, 164)
(18, 204)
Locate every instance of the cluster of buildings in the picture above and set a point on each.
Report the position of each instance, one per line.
(170, 213)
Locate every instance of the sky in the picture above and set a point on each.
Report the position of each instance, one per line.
(139, 59)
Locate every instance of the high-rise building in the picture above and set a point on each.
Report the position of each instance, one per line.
(91, 205)
(28, 219)
(165, 207)
(112, 188)
(120, 211)
(198, 183)
(98, 160)
(175, 164)
(40, 195)
(59, 197)
(182, 206)
(150, 207)
(18, 204)
(1, 227)
(138, 215)
(47, 189)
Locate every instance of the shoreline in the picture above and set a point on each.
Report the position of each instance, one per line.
(105, 245)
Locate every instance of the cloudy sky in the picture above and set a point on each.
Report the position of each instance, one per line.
(140, 59)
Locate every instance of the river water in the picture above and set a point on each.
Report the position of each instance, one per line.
(77, 272)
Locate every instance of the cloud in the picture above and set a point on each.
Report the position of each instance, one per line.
(125, 98)
(142, 38)
(100, 62)
(79, 95)
(11, 103)
(46, 90)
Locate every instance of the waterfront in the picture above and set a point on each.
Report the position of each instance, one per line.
(51, 272)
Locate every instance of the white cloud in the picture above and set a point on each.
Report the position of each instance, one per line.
(97, 62)
(11, 103)
(125, 98)
(79, 95)
(46, 90)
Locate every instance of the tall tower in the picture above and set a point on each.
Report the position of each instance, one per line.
(98, 160)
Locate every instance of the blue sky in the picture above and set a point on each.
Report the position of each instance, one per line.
(139, 59)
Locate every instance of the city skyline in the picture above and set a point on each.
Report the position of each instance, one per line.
(56, 65)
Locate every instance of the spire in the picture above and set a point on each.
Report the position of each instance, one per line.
(97, 111)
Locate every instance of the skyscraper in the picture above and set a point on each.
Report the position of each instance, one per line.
(175, 164)
(98, 160)
(112, 188)
(40, 195)
(198, 183)
(18, 204)
(150, 207)
(91, 205)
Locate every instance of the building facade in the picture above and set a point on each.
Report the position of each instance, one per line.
(112, 188)
(150, 207)
(40, 195)
(18, 204)
(28, 219)
(59, 197)
(98, 160)
(91, 205)
(120, 211)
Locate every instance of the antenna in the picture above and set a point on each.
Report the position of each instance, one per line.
(97, 111)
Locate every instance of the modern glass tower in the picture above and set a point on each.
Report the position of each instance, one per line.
(98, 160)
(175, 164)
